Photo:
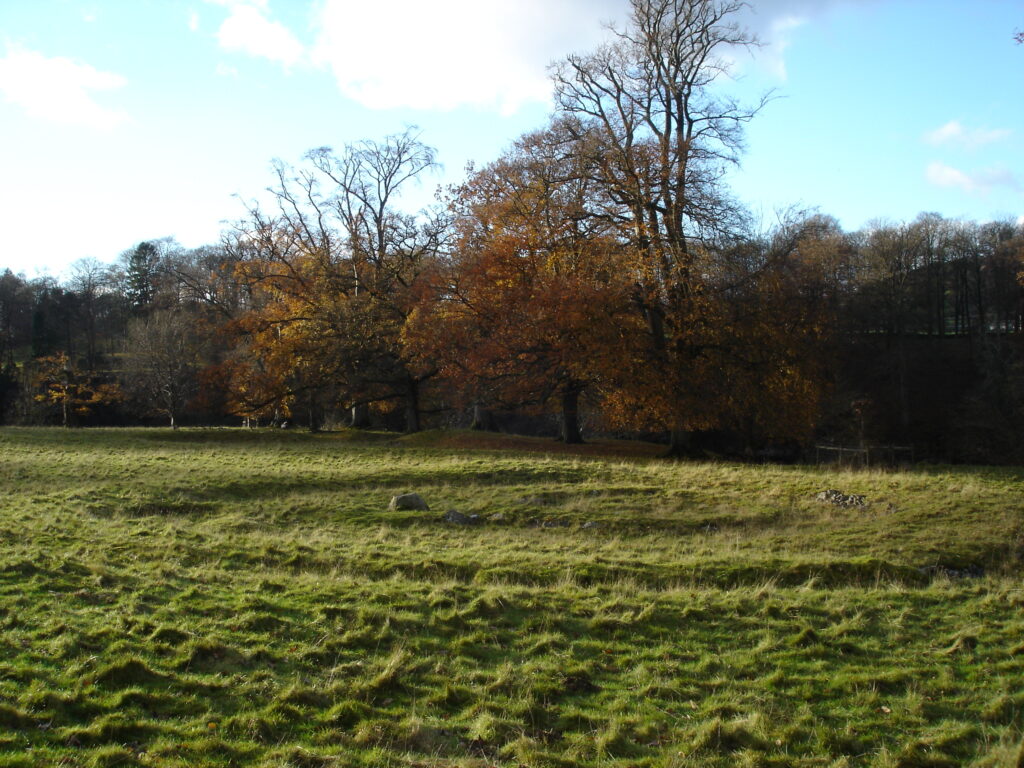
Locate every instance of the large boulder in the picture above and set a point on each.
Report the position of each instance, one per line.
(408, 501)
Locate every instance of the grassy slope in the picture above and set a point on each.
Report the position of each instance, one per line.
(245, 598)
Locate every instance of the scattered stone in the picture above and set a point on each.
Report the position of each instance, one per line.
(555, 524)
(498, 517)
(456, 517)
(970, 572)
(840, 499)
(532, 501)
(590, 524)
(408, 501)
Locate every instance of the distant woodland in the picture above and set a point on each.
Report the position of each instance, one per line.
(597, 278)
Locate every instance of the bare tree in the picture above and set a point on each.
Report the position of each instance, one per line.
(163, 360)
(342, 264)
(89, 277)
(660, 141)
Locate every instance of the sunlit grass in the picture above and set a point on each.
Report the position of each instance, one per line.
(225, 597)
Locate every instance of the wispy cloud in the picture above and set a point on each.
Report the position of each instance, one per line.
(776, 39)
(976, 183)
(249, 29)
(774, 21)
(451, 53)
(955, 133)
(58, 89)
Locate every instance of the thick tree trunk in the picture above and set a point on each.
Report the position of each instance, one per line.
(571, 416)
(360, 416)
(483, 419)
(412, 407)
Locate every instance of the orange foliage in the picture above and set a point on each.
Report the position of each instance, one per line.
(76, 392)
(525, 312)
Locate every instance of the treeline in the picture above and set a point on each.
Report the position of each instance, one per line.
(597, 276)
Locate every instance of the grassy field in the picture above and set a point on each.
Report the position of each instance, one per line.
(235, 598)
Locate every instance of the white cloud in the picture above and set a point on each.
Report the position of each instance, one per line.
(193, 21)
(58, 89)
(444, 54)
(954, 132)
(778, 39)
(247, 29)
(976, 183)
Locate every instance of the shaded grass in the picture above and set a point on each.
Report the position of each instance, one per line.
(228, 597)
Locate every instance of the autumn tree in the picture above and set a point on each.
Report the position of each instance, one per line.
(525, 314)
(659, 139)
(388, 253)
(336, 271)
(75, 392)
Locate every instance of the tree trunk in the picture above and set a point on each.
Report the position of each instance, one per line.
(680, 444)
(314, 418)
(412, 407)
(483, 419)
(360, 416)
(571, 416)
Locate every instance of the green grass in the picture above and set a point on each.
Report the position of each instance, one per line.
(227, 597)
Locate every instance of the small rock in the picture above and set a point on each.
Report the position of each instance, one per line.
(498, 517)
(408, 501)
(590, 524)
(533, 501)
(555, 524)
(456, 517)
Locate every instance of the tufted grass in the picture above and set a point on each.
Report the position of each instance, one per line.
(236, 598)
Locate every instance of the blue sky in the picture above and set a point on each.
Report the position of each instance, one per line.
(125, 120)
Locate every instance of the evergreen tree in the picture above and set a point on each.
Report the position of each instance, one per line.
(140, 276)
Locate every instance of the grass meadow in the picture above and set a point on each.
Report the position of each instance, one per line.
(246, 598)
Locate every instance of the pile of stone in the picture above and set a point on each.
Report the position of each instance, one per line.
(973, 571)
(457, 518)
(840, 499)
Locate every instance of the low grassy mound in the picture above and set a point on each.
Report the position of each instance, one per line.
(236, 598)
